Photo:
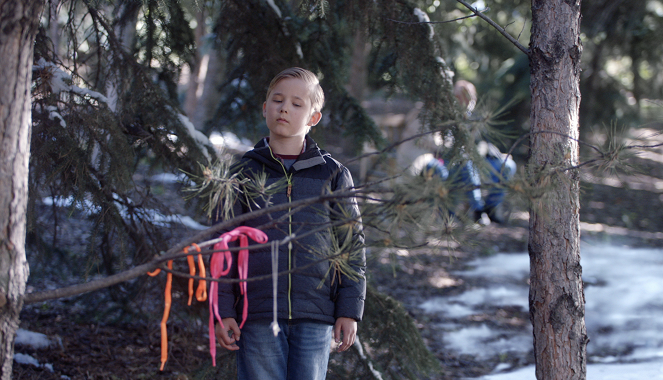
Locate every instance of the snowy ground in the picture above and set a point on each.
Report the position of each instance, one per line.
(637, 371)
(624, 312)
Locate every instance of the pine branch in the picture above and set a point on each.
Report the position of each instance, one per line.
(605, 159)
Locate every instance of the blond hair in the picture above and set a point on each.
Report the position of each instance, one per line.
(466, 94)
(316, 93)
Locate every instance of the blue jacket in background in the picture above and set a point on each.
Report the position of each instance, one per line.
(313, 290)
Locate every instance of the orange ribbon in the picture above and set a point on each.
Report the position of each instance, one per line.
(201, 295)
(166, 311)
(201, 292)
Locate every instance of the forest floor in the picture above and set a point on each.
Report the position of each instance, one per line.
(624, 209)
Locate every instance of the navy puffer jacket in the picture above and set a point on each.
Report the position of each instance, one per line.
(313, 290)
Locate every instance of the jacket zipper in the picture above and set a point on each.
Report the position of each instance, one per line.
(289, 195)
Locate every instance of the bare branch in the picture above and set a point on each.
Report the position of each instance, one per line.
(175, 252)
(494, 25)
(435, 22)
(438, 128)
(604, 156)
(526, 135)
(644, 146)
(90, 286)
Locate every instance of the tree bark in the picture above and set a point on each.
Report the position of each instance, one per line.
(557, 302)
(18, 28)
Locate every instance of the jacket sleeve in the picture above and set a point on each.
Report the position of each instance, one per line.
(351, 288)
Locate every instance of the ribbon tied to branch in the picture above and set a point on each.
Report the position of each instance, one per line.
(221, 258)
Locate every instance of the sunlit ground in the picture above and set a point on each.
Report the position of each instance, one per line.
(624, 305)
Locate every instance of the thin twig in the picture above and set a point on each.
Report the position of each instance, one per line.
(526, 135)
(644, 146)
(494, 25)
(397, 143)
(435, 22)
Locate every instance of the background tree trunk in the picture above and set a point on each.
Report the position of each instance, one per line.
(557, 302)
(358, 68)
(198, 71)
(18, 23)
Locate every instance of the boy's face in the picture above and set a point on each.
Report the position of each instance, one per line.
(288, 110)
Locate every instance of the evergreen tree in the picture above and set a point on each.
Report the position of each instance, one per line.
(107, 112)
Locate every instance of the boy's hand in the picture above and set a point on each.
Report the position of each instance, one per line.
(228, 336)
(347, 329)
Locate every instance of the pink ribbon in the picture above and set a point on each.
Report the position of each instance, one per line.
(217, 263)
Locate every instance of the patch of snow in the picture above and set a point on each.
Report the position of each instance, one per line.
(169, 178)
(633, 371)
(502, 367)
(201, 140)
(446, 72)
(499, 267)
(31, 339)
(27, 359)
(187, 221)
(423, 17)
(491, 342)
(155, 216)
(68, 202)
(627, 310)
(59, 81)
(499, 296)
(298, 46)
(449, 308)
(54, 114)
(479, 5)
(623, 311)
(466, 304)
(276, 9)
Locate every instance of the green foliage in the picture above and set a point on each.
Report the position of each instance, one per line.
(101, 122)
(622, 61)
(319, 36)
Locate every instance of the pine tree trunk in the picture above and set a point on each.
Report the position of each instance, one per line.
(18, 26)
(557, 302)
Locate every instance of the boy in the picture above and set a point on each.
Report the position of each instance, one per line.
(313, 298)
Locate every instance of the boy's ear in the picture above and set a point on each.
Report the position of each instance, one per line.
(315, 118)
(264, 109)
